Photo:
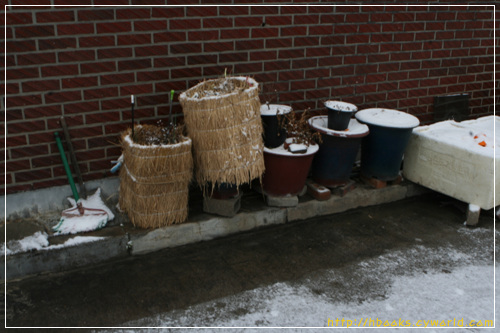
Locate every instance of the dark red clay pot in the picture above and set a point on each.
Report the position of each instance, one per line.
(286, 173)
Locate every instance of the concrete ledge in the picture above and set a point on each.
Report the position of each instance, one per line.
(66, 258)
(138, 242)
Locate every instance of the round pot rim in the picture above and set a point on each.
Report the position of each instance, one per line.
(340, 134)
(269, 113)
(280, 151)
(397, 120)
(344, 106)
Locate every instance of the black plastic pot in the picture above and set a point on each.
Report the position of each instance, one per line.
(339, 114)
(274, 134)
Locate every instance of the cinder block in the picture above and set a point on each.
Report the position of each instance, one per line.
(286, 201)
(222, 207)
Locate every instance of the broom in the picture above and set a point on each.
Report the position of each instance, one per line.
(79, 218)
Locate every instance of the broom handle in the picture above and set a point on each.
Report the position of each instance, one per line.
(66, 166)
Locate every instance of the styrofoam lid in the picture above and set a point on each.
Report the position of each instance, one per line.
(355, 128)
(387, 118)
(274, 109)
(341, 106)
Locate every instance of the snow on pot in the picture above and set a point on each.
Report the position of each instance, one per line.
(286, 172)
(382, 150)
(154, 181)
(222, 118)
(274, 131)
(333, 163)
(339, 114)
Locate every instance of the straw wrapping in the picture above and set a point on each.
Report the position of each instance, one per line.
(226, 131)
(154, 182)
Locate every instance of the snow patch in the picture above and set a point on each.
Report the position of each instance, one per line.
(355, 128)
(341, 106)
(40, 242)
(387, 118)
(274, 109)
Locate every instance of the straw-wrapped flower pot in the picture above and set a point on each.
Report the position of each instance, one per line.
(222, 117)
(154, 182)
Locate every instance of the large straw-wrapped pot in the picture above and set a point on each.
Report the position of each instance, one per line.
(154, 182)
(226, 130)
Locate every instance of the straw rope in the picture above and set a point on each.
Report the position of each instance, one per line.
(226, 131)
(154, 182)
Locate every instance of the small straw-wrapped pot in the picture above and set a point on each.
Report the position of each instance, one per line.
(226, 131)
(154, 182)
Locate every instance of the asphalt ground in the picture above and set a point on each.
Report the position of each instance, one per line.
(125, 291)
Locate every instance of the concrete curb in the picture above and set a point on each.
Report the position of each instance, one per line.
(122, 244)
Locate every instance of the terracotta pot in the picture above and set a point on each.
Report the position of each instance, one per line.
(286, 173)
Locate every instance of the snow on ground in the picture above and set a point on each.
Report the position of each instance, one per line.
(40, 241)
(418, 283)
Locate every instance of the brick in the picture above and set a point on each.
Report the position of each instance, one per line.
(136, 39)
(34, 31)
(79, 82)
(134, 64)
(16, 101)
(291, 54)
(54, 16)
(18, 18)
(56, 43)
(29, 151)
(263, 55)
(19, 165)
(233, 57)
(100, 93)
(114, 53)
(75, 29)
(308, 19)
(186, 48)
(185, 24)
(98, 67)
(60, 70)
(97, 14)
(167, 12)
(306, 41)
(22, 73)
(201, 11)
(150, 25)
(218, 46)
(150, 51)
(35, 85)
(203, 35)
(133, 13)
(253, 44)
(113, 27)
(15, 141)
(236, 33)
(278, 43)
(320, 30)
(63, 96)
(202, 59)
(285, 201)
(76, 56)
(247, 21)
(177, 73)
(97, 41)
(102, 117)
(115, 79)
(30, 176)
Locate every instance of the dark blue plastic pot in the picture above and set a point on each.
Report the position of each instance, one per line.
(382, 150)
(335, 158)
(339, 114)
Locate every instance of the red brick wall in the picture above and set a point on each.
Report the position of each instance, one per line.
(84, 63)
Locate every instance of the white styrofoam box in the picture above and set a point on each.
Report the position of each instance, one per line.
(457, 159)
